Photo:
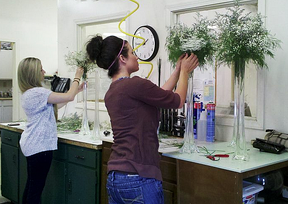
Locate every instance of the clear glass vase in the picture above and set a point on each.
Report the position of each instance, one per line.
(96, 129)
(239, 111)
(189, 145)
(85, 130)
(233, 142)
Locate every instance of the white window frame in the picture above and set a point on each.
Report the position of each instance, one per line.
(78, 30)
(172, 11)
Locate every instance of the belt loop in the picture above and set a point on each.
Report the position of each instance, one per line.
(113, 175)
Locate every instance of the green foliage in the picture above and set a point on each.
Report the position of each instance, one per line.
(72, 123)
(243, 37)
(198, 39)
(80, 59)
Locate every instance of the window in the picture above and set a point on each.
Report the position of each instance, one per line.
(85, 32)
(216, 82)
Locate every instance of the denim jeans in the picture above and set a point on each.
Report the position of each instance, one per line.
(124, 188)
(38, 166)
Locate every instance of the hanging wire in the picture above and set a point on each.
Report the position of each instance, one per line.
(136, 36)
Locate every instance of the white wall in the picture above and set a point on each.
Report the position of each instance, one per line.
(276, 95)
(32, 25)
(275, 89)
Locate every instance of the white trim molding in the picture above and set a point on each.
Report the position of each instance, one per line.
(174, 9)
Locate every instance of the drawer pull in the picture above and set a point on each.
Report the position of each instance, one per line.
(8, 138)
(79, 157)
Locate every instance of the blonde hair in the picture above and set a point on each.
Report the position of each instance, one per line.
(29, 74)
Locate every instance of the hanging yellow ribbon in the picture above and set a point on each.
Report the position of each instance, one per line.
(119, 26)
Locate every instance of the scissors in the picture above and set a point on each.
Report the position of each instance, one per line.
(213, 157)
(210, 155)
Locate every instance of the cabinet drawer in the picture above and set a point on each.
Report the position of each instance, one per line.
(83, 156)
(10, 138)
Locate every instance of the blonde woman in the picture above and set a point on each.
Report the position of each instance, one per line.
(39, 139)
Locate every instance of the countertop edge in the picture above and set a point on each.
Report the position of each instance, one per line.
(62, 140)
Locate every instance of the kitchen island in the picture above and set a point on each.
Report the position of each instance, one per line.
(187, 178)
(193, 178)
(74, 176)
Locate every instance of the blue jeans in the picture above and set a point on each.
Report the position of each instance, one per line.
(124, 188)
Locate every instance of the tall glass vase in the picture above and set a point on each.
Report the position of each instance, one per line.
(96, 129)
(85, 130)
(233, 142)
(189, 145)
(239, 111)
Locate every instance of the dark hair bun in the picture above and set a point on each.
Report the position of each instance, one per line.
(94, 47)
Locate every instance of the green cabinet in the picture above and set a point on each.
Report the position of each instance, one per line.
(9, 175)
(10, 165)
(54, 190)
(82, 171)
(74, 176)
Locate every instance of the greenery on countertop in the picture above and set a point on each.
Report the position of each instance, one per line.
(174, 143)
(71, 123)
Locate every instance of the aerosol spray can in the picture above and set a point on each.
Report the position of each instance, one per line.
(196, 116)
(210, 137)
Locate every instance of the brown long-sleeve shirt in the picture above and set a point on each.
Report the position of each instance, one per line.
(133, 106)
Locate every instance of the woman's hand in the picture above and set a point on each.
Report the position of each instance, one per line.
(178, 64)
(79, 72)
(80, 87)
(189, 63)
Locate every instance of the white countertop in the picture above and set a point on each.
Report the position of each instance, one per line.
(63, 135)
(256, 160)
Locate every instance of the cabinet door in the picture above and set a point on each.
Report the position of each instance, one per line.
(9, 169)
(6, 113)
(106, 151)
(81, 185)
(54, 190)
(22, 174)
(169, 174)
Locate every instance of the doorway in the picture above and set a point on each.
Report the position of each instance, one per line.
(7, 66)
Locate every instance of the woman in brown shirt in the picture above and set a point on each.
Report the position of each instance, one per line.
(133, 104)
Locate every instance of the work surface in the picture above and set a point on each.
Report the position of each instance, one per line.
(256, 160)
(170, 148)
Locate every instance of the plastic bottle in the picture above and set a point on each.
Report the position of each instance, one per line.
(209, 89)
(210, 122)
(202, 126)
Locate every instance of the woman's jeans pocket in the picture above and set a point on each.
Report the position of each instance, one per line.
(133, 189)
(131, 195)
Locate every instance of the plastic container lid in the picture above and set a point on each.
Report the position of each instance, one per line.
(251, 188)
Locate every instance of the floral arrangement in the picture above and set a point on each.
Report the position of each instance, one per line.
(80, 59)
(198, 39)
(71, 123)
(243, 36)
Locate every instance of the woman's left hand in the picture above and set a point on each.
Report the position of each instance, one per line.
(178, 64)
(80, 87)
